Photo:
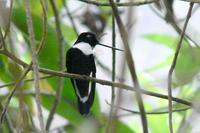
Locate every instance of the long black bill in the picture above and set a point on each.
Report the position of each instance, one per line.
(110, 47)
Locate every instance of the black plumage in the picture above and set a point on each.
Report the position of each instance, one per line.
(80, 63)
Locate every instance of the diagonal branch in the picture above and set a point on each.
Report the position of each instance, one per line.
(18, 83)
(35, 63)
(131, 65)
(70, 17)
(61, 64)
(173, 65)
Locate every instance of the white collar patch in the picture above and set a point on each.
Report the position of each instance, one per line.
(84, 47)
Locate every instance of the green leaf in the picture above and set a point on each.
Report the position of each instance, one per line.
(188, 64)
(160, 65)
(64, 109)
(163, 39)
(4, 76)
(123, 128)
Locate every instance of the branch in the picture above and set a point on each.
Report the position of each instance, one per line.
(173, 66)
(149, 113)
(61, 65)
(70, 17)
(26, 80)
(18, 83)
(170, 18)
(27, 67)
(137, 3)
(131, 65)
(112, 113)
(100, 81)
(193, 1)
(2, 41)
(9, 22)
(35, 63)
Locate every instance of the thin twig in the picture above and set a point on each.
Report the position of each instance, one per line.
(170, 18)
(70, 17)
(9, 21)
(32, 93)
(27, 67)
(2, 41)
(61, 65)
(111, 113)
(100, 81)
(137, 3)
(35, 63)
(150, 112)
(26, 80)
(9, 123)
(193, 1)
(131, 65)
(173, 65)
(44, 33)
(18, 83)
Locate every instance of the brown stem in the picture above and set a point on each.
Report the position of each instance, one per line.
(173, 65)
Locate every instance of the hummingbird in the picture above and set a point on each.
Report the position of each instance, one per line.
(80, 60)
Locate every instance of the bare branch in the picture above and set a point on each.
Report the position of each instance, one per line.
(35, 63)
(2, 41)
(61, 65)
(26, 80)
(193, 1)
(100, 81)
(70, 17)
(151, 112)
(9, 22)
(110, 126)
(173, 65)
(137, 3)
(131, 65)
(18, 83)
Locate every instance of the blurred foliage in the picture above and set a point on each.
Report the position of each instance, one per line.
(188, 66)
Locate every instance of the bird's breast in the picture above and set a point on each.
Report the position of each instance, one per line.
(85, 48)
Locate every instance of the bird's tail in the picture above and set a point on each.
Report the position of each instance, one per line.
(84, 107)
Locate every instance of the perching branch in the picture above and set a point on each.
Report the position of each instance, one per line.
(100, 81)
(173, 65)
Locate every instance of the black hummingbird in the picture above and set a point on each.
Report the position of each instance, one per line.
(80, 60)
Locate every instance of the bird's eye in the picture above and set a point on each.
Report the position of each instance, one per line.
(88, 36)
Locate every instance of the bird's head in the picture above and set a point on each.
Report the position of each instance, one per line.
(89, 38)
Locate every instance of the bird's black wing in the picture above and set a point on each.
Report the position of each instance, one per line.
(68, 60)
(93, 84)
(77, 62)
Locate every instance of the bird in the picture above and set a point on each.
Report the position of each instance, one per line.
(80, 60)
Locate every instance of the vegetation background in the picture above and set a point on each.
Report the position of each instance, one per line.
(153, 86)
